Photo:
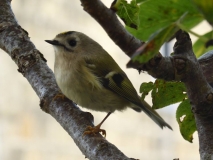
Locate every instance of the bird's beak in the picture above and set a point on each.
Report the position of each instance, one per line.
(53, 42)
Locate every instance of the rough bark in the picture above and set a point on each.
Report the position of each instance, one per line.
(199, 91)
(15, 41)
(109, 21)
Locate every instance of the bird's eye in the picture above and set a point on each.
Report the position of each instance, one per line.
(72, 42)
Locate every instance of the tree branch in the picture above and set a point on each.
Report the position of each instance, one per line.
(15, 41)
(200, 93)
(110, 23)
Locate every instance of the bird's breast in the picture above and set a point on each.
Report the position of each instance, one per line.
(84, 88)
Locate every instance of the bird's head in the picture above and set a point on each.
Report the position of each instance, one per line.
(74, 44)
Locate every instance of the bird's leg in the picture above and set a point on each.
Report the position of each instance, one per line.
(97, 129)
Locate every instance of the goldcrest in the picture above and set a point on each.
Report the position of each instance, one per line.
(90, 77)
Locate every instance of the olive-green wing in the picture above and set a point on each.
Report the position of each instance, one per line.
(121, 85)
(113, 78)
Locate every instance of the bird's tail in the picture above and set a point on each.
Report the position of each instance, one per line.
(154, 115)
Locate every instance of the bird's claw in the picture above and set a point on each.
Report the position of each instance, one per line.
(94, 130)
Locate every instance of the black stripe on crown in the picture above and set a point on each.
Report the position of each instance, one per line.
(65, 33)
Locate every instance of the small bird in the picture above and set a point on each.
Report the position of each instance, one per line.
(90, 77)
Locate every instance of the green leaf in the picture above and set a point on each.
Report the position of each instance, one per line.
(199, 46)
(205, 7)
(186, 121)
(139, 1)
(128, 12)
(166, 93)
(156, 21)
(152, 47)
(153, 15)
(145, 88)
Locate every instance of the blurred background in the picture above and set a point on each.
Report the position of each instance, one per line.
(26, 132)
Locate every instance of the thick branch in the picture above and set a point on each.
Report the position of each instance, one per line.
(200, 93)
(15, 41)
(206, 63)
(110, 23)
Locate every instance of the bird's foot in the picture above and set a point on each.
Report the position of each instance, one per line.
(94, 130)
